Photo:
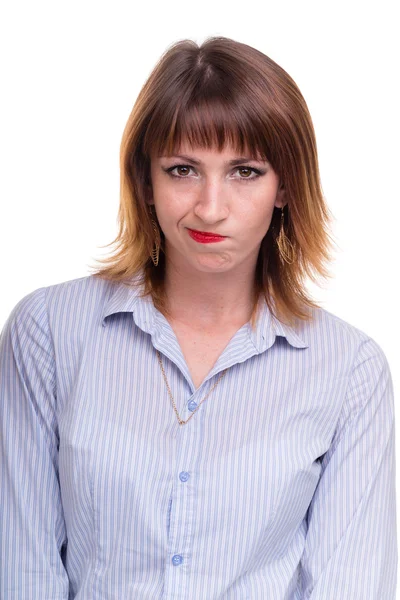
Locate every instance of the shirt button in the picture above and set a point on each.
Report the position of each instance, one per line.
(177, 559)
(184, 476)
(192, 405)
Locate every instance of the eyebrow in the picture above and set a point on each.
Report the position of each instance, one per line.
(232, 163)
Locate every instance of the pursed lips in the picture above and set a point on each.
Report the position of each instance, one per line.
(206, 233)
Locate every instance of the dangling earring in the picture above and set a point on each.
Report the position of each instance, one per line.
(155, 253)
(286, 249)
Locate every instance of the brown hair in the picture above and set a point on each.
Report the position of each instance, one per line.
(224, 91)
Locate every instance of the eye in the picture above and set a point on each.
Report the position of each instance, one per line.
(249, 172)
(182, 171)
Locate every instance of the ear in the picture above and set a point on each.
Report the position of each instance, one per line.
(280, 200)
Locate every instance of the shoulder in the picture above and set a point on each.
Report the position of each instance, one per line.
(352, 357)
(58, 311)
(329, 330)
(80, 296)
(365, 363)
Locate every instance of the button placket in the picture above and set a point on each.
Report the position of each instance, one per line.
(182, 511)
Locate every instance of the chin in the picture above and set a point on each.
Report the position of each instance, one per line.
(214, 264)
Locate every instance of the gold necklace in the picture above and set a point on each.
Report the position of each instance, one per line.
(170, 395)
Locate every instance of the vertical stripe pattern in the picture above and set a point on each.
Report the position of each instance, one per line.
(281, 486)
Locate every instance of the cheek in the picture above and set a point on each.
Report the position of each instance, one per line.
(169, 209)
(170, 202)
(257, 213)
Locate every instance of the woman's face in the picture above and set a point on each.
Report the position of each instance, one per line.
(214, 192)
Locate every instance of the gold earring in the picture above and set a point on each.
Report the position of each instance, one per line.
(155, 253)
(285, 247)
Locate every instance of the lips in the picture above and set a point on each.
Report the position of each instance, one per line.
(207, 233)
(205, 236)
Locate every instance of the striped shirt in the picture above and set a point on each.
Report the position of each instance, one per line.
(281, 486)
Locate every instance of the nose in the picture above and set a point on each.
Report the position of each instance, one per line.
(212, 201)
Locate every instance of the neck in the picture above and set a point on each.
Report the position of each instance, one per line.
(209, 299)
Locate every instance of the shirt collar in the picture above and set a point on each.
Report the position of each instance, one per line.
(126, 298)
(123, 297)
(268, 328)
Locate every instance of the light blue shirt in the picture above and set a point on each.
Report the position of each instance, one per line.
(281, 486)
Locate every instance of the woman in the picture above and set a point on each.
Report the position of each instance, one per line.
(186, 422)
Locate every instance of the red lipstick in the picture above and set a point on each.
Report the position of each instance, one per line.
(205, 238)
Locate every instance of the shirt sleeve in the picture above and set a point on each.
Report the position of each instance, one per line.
(351, 544)
(32, 529)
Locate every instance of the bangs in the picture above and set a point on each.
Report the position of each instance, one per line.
(211, 123)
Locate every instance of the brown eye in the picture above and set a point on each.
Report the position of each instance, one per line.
(249, 173)
(182, 170)
(179, 171)
(245, 171)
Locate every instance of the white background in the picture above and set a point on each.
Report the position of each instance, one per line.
(70, 74)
